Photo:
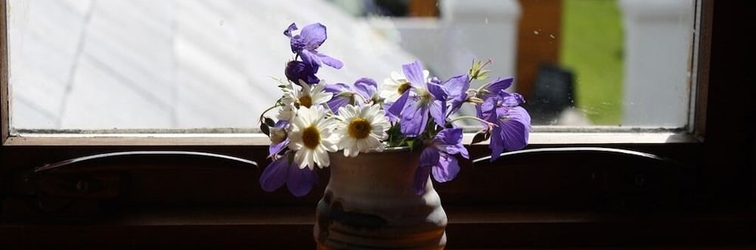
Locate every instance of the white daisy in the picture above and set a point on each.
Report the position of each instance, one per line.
(361, 129)
(312, 137)
(308, 96)
(392, 88)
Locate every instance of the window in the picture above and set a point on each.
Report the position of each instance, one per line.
(180, 193)
(102, 65)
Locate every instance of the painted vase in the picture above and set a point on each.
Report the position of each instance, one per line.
(370, 203)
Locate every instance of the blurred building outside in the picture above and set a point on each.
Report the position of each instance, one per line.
(657, 48)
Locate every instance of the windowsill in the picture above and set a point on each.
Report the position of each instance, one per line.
(250, 139)
(476, 227)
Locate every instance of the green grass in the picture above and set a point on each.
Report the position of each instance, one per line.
(592, 48)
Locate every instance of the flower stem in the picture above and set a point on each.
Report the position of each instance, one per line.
(266, 111)
(471, 118)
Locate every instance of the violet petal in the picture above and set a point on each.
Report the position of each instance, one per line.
(414, 117)
(330, 61)
(366, 87)
(414, 74)
(292, 27)
(301, 181)
(499, 85)
(274, 175)
(313, 35)
(397, 107)
(447, 169)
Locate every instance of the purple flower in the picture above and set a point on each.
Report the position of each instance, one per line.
(285, 171)
(457, 87)
(305, 45)
(414, 107)
(438, 158)
(278, 138)
(512, 99)
(427, 157)
(299, 71)
(361, 93)
(342, 96)
(497, 86)
(512, 122)
(367, 88)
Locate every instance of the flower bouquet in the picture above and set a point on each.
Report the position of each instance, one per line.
(318, 122)
(409, 109)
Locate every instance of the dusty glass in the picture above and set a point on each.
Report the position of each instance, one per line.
(192, 64)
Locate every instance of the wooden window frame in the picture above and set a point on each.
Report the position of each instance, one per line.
(717, 208)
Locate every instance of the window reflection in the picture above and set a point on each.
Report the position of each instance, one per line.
(85, 64)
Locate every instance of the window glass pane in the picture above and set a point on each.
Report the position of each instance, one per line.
(164, 64)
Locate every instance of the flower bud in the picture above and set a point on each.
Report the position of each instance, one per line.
(277, 135)
(297, 70)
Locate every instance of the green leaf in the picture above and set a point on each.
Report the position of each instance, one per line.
(411, 144)
(396, 138)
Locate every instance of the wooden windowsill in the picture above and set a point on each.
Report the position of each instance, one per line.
(566, 137)
(469, 227)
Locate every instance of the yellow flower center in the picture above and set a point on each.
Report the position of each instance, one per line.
(305, 101)
(359, 128)
(311, 137)
(404, 87)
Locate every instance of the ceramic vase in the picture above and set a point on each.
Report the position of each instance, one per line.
(370, 203)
